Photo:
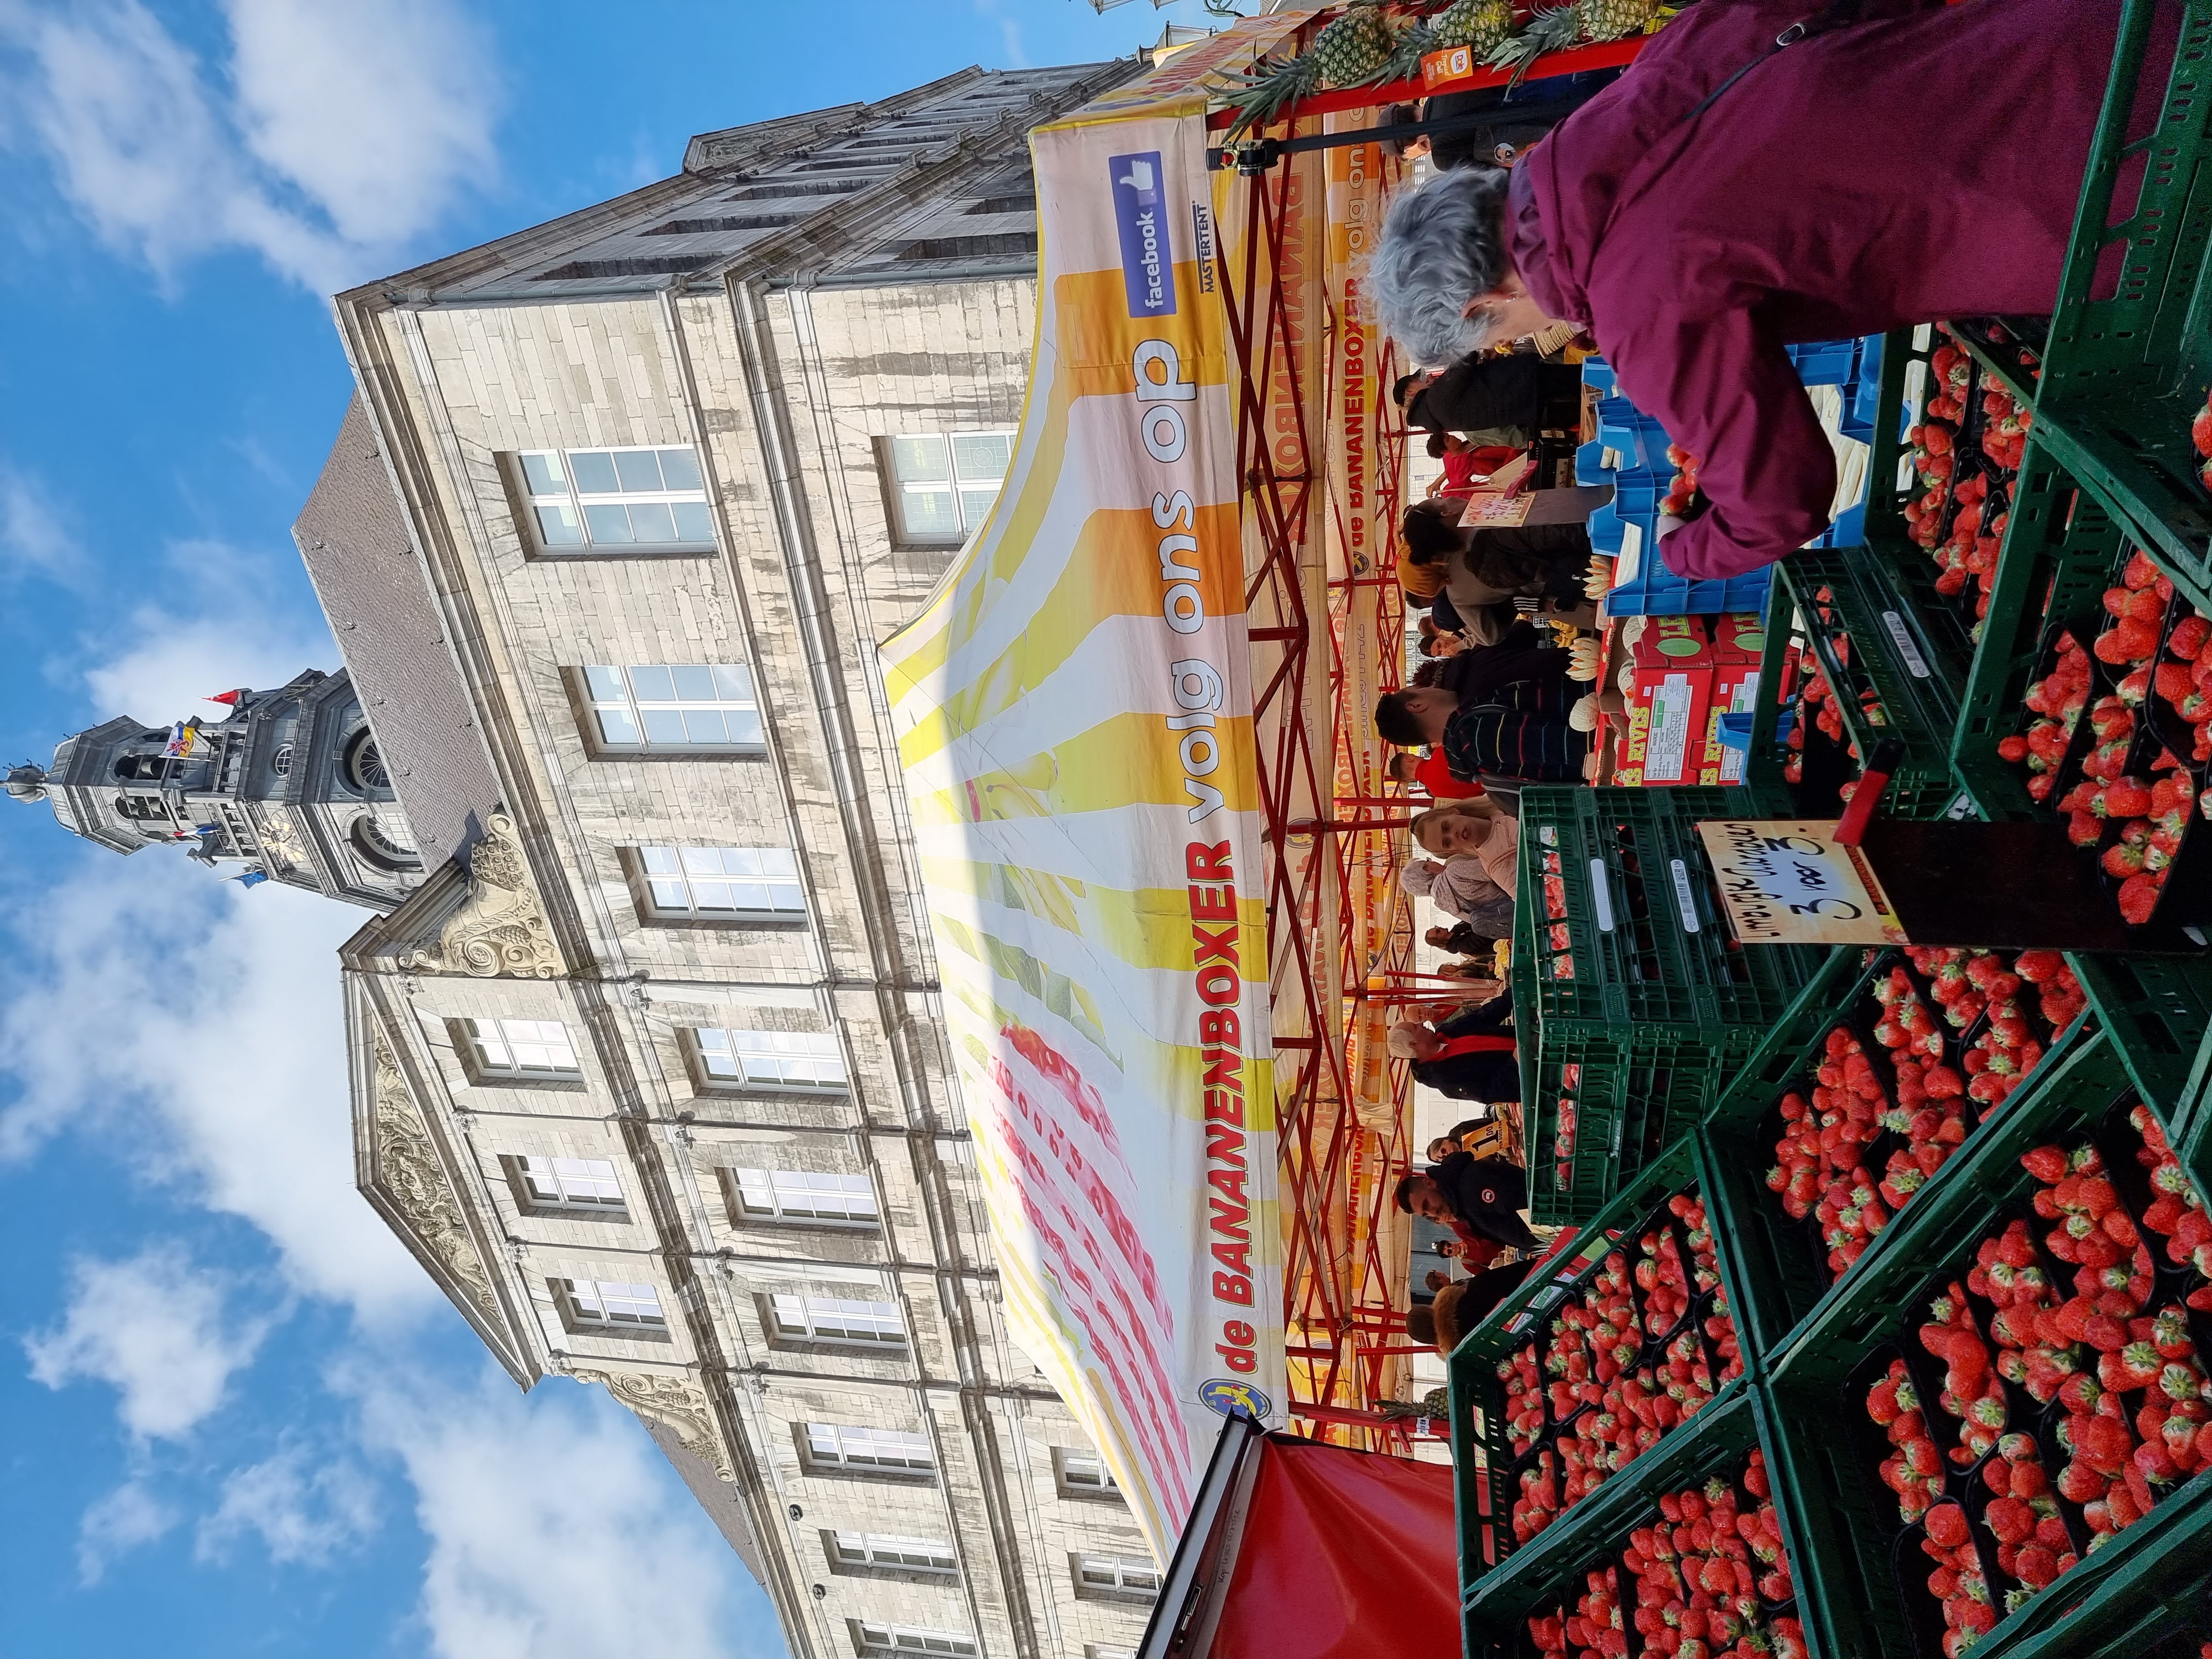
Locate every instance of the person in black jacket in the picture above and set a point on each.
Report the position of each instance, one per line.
(1490, 1073)
(1506, 400)
(1474, 676)
(1462, 1304)
(1476, 1197)
(1461, 939)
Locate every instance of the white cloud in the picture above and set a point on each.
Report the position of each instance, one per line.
(379, 113)
(556, 1530)
(157, 1329)
(115, 1525)
(305, 1509)
(33, 536)
(230, 637)
(147, 996)
(334, 134)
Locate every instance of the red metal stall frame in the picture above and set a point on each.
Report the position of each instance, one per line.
(1349, 1363)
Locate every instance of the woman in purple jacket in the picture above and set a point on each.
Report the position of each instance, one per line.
(1918, 163)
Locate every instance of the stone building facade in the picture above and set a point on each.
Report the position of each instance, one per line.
(647, 1067)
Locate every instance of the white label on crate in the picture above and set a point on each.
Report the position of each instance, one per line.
(1631, 554)
(1603, 894)
(1906, 648)
(1684, 900)
(1666, 750)
(1959, 810)
(1548, 834)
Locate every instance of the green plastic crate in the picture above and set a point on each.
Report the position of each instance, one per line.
(1778, 1264)
(1649, 944)
(1889, 652)
(2123, 376)
(1487, 1470)
(2151, 1602)
(2061, 550)
(1632, 1101)
(2158, 1010)
(1715, 1442)
(1856, 1603)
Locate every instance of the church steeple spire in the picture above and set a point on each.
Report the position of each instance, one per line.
(287, 783)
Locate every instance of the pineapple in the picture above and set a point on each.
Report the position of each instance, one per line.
(1481, 24)
(1354, 49)
(1615, 20)
(1554, 30)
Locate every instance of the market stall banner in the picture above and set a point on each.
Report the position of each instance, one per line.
(1073, 707)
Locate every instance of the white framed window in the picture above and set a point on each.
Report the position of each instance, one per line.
(583, 499)
(721, 884)
(836, 1319)
(871, 1639)
(943, 483)
(852, 1446)
(1117, 1575)
(519, 1048)
(1083, 1474)
(802, 1196)
(891, 1552)
(771, 1059)
(674, 706)
(608, 1304)
(566, 1183)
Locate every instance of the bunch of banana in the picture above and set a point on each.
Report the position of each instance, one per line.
(1583, 716)
(1583, 660)
(1598, 580)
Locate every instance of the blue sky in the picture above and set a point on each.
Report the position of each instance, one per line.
(239, 1421)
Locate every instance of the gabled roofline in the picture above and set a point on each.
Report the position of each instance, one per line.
(421, 284)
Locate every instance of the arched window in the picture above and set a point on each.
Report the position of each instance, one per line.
(150, 768)
(364, 763)
(379, 848)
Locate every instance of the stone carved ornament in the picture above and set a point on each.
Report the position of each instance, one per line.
(408, 1169)
(500, 931)
(670, 1401)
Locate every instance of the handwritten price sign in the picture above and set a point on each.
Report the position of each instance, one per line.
(1785, 881)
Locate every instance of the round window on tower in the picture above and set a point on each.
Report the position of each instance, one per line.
(379, 848)
(364, 764)
(281, 762)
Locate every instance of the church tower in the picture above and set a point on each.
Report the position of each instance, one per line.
(289, 785)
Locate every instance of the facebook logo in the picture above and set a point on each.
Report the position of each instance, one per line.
(1141, 211)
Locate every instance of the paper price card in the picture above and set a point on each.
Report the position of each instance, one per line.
(1785, 881)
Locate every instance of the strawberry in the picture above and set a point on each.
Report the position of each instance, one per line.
(2138, 899)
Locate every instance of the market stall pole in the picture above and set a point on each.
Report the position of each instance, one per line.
(1322, 468)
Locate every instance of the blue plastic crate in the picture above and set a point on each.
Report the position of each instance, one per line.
(1655, 591)
(1866, 391)
(1640, 442)
(1589, 464)
(1598, 373)
(1826, 362)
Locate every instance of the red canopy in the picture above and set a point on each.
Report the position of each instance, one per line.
(1299, 1549)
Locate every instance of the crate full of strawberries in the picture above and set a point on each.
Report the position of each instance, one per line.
(2120, 742)
(1930, 1046)
(1591, 1375)
(2054, 1394)
(1703, 1571)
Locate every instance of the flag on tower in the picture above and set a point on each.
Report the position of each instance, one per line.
(229, 699)
(181, 735)
(251, 878)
